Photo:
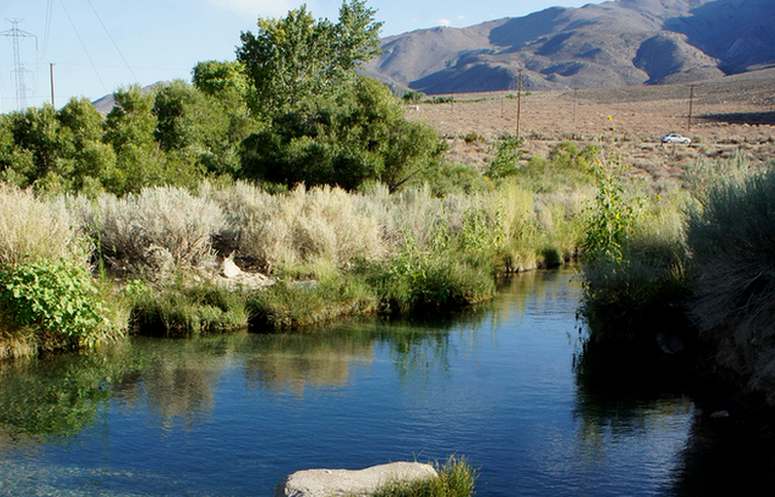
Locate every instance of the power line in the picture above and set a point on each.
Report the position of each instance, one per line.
(83, 45)
(110, 37)
(47, 26)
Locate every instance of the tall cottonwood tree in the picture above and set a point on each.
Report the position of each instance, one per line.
(297, 57)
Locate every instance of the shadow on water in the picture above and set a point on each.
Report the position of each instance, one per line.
(726, 456)
(723, 453)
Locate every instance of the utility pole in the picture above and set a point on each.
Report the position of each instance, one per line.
(17, 35)
(519, 100)
(691, 108)
(51, 75)
(575, 98)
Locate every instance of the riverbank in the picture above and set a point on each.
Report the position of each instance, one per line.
(699, 288)
(79, 272)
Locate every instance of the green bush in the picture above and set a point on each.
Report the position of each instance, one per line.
(416, 282)
(56, 298)
(181, 310)
(635, 268)
(505, 163)
(610, 223)
(565, 168)
(456, 479)
(413, 97)
(442, 100)
(289, 306)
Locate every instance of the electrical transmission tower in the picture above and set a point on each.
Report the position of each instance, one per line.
(17, 35)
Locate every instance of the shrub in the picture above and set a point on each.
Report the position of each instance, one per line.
(417, 282)
(566, 168)
(610, 222)
(640, 288)
(456, 479)
(154, 232)
(300, 227)
(33, 229)
(413, 97)
(732, 239)
(473, 137)
(181, 310)
(505, 163)
(57, 298)
(443, 100)
(290, 306)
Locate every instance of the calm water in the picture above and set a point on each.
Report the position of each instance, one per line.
(232, 415)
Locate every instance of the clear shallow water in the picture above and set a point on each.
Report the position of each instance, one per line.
(230, 416)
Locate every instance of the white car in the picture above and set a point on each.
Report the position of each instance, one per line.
(676, 138)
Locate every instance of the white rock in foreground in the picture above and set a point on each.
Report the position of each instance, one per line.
(340, 482)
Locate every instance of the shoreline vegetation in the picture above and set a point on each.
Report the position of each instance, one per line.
(79, 271)
(283, 191)
(276, 195)
(275, 192)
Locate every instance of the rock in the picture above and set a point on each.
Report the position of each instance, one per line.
(341, 483)
(229, 269)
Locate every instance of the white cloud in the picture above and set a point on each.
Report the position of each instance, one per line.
(444, 22)
(258, 7)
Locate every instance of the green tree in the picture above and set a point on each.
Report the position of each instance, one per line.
(92, 162)
(37, 130)
(17, 166)
(225, 80)
(130, 129)
(176, 106)
(297, 57)
(356, 136)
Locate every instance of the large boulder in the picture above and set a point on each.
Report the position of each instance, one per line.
(362, 483)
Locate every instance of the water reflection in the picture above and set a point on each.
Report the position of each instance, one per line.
(498, 385)
(60, 398)
(294, 362)
(176, 379)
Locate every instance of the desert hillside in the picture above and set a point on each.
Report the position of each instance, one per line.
(616, 43)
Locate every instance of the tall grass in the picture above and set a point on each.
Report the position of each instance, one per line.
(184, 309)
(732, 239)
(635, 264)
(456, 479)
(294, 305)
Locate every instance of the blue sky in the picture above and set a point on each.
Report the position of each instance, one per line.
(163, 39)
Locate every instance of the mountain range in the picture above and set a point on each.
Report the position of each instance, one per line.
(615, 43)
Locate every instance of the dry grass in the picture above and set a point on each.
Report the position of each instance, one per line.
(33, 229)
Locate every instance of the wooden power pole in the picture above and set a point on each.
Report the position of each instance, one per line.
(519, 100)
(691, 109)
(575, 99)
